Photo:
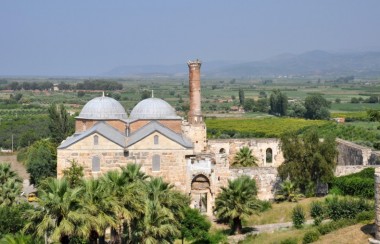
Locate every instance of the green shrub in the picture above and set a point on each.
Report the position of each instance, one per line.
(289, 241)
(317, 212)
(358, 184)
(355, 186)
(311, 236)
(336, 191)
(298, 216)
(346, 208)
(334, 225)
(365, 216)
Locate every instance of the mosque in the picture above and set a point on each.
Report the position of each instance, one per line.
(165, 145)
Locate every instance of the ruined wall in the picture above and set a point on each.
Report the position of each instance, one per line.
(350, 153)
(266, 179)
(258, 146)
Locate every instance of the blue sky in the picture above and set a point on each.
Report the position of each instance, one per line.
(89, 37)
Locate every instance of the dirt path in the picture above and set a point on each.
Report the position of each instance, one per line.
(20, 170)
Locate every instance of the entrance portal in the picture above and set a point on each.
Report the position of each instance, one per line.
(200, 194)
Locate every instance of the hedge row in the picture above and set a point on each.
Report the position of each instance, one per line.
(359, 184)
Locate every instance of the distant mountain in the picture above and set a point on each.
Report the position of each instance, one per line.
(163, 70)
(313, 63)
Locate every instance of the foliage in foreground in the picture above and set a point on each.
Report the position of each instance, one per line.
(237, 201)
(10, 185)
(138, 209)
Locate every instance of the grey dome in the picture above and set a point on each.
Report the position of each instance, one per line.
(153, 108)
(103, 108)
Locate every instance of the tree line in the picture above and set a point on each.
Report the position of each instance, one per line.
(315, 106)
(48, 85)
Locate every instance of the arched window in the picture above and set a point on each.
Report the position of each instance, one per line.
(96, 140)
(269, 155)
(156, 140)
(222, 150)
(156, 163)
(95, 164)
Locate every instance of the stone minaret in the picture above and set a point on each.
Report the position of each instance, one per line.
(195, 128)
(195, 113)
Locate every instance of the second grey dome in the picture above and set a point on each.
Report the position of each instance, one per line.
(153, 108)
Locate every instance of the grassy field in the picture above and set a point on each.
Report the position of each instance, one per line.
(281, 212)
(354, 234)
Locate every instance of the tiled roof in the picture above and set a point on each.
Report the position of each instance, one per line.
(101, 128)
(155, 126)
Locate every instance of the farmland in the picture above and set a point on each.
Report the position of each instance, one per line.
(20, 110)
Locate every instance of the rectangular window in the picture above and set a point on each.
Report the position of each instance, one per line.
(156, 163)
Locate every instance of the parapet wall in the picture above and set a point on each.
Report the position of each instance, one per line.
(351, 154)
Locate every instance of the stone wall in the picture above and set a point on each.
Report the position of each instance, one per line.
(267, 179)
(259, 147)
(349, 169)
(350, 153)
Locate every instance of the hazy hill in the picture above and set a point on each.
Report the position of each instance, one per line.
(313, 63)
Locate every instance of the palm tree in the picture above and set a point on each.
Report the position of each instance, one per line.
(99, 201)
(157, 226)
(164, 210)
(133, 173)
(245, 158)
(61, 214)
(19, 239)
(237, 201)
(9, 191)
(7, 173)
(288, 191)
(10, 185)
(131, 199)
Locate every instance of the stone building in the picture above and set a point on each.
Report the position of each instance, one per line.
(165, 145)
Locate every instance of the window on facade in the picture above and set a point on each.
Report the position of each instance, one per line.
(96, 140)
(155, 139)
(156, 163)
(269, 155)
(95, 164)
(222, 150)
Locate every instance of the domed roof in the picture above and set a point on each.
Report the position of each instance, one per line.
(103, 108)
(153, 108)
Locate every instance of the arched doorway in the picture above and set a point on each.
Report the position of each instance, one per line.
(201, 193)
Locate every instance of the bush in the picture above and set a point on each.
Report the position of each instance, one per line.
(359, 184)
(346, 208)
(317, 212)
(311, 236)
(289, 241)
(298, 216)
(334, 225)
(213, 238)
(365, 216)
